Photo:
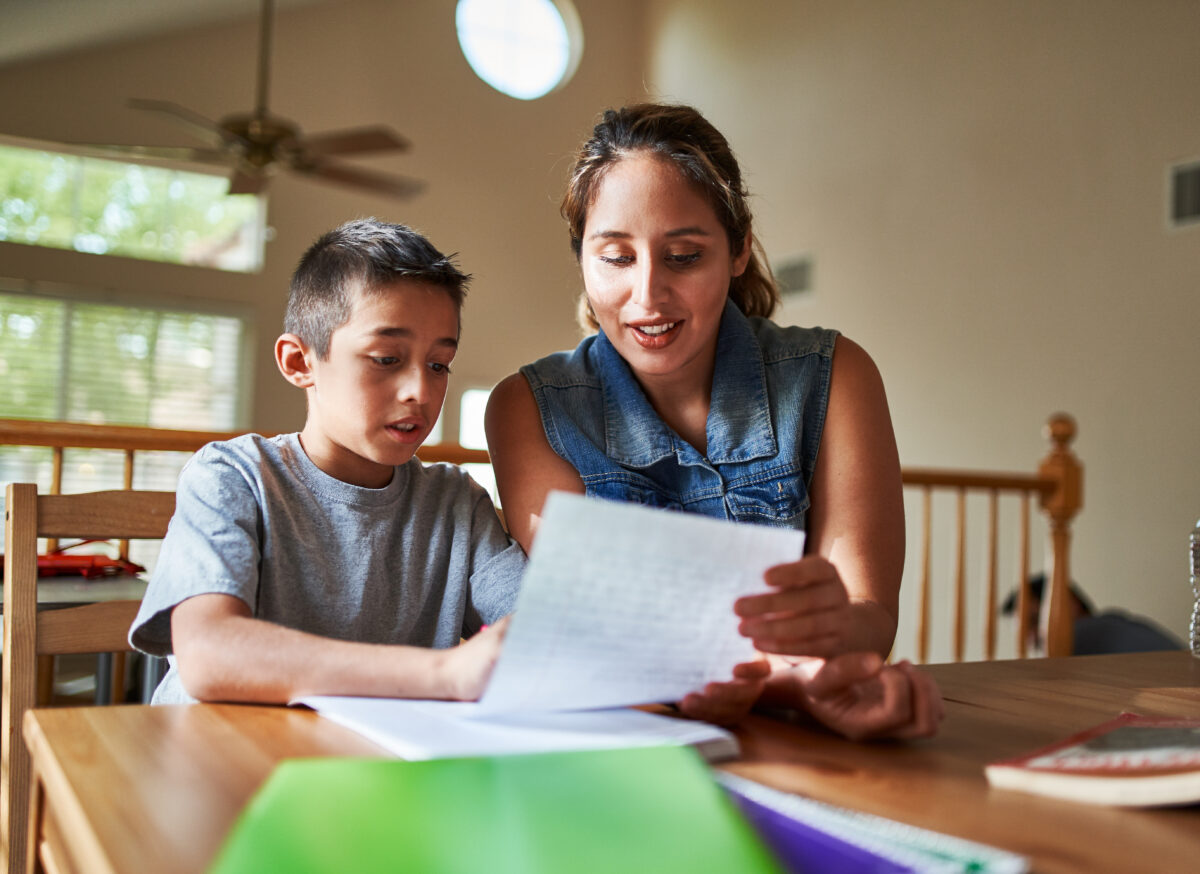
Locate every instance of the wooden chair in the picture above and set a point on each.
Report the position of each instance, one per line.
(1057, 487)
(30, 634)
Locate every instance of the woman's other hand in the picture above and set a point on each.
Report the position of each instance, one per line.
(861, 697)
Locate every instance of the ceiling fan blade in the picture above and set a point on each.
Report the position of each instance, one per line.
(175, 154)
(242, 182)
(344, 174)
(199, 125)
(355, 140)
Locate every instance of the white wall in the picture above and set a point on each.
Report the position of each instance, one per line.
(981, 186)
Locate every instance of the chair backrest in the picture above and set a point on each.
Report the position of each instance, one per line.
(30, 634)
(1057, 489)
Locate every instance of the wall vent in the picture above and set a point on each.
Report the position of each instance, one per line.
(1185, 194)
(794, 276)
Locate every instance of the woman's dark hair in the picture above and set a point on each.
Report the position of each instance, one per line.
(372, 254)
(685, 138)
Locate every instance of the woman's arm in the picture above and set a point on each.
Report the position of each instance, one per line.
(857, 515)
(527, 469)
(843, 595)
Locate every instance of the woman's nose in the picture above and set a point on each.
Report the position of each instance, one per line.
(649, 285)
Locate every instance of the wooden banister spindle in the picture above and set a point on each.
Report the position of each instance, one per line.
(127, 476)
(926, 572)
(1064, 470)
(56, 475)
(993, 560)
(960, 579)
(1023, 582)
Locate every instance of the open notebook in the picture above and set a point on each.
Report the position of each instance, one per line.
(620, 605)
(443, 729)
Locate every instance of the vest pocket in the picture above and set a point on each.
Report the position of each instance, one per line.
(631, 488)
(781, 501)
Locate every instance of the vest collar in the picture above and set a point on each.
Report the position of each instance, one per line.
(739, 418)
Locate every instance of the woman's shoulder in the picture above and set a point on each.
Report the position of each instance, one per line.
(792, 341)
(571, 367)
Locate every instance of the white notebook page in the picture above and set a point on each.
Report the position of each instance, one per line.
(623, 604)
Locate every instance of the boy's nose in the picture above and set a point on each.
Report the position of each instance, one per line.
(415, 386)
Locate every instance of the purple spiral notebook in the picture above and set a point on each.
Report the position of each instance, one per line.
(809, 837)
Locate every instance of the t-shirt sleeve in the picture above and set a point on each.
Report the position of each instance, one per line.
(496, 568)
(213, 545)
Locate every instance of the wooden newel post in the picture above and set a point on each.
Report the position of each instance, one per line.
(1060, 505)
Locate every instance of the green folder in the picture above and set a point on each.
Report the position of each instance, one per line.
(646, 809)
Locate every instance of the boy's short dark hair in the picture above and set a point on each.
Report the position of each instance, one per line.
(368, 252)
(1037, 588)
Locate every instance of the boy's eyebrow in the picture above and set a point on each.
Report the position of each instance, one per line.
(407, 334)
(690, 231)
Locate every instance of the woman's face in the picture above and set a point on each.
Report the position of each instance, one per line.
(656, 267)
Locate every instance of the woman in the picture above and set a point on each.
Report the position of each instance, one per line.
(689, 398)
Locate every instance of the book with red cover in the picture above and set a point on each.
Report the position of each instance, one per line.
(1130, 761)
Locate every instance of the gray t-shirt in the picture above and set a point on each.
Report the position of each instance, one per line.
(423, 561)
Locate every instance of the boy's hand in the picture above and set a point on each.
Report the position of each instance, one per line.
(467, 667)
(728, 702)
(806, 613)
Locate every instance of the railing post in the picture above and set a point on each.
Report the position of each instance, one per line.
(1060, 506)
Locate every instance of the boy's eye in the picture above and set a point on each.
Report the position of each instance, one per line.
(438, 367)
(384, 360)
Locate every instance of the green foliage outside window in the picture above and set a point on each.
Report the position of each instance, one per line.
(72, 360)
(107, 364)
(108, 207)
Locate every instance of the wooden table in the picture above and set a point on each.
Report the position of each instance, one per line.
(136, 788)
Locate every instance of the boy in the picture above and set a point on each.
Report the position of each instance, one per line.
(332, 561)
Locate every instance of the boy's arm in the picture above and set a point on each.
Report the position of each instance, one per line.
(223, 653)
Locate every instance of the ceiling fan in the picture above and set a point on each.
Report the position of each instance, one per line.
(256, 144)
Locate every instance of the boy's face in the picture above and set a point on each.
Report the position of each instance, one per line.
(373, 401)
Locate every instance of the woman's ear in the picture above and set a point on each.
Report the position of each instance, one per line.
(294, 360)
(742, 258)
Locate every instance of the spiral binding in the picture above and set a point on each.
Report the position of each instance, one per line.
(1194, 555)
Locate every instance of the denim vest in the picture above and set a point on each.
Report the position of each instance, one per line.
(770, 392)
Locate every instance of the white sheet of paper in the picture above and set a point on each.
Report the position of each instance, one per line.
(623, 604)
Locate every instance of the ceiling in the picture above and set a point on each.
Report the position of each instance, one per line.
(32, 29)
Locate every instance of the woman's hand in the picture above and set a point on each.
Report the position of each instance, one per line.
(728, 702)
(857, 695)
(807, 613)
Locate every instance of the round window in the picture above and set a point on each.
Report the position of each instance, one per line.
(523, 48)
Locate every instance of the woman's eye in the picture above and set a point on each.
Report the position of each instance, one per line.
(617, 260)
(684, 258)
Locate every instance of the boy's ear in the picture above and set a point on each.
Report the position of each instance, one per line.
(294, 360)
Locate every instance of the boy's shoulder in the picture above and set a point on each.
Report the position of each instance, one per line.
(248, 450)
(439, 481)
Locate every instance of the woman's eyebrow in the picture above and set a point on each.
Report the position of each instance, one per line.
(689, 231)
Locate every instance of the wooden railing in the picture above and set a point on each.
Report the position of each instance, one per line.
(130, 440)
(1057, 486)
